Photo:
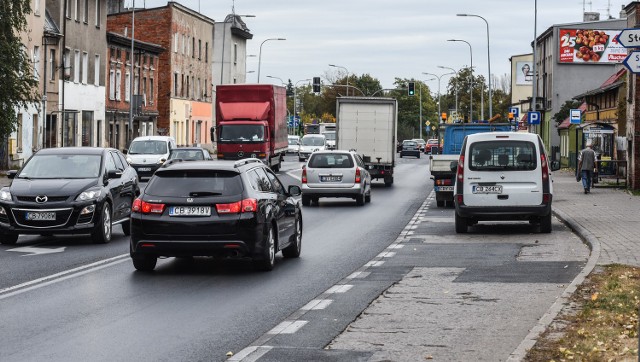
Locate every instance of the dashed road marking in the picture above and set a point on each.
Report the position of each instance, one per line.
(287, 327)
(342, 288)
(359, 275)
(317, 304)
(374, 263)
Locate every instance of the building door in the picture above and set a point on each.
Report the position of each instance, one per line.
(50, 131)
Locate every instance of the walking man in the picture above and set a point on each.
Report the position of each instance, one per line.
(586, 165)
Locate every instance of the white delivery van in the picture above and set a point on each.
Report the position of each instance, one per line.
(503, 176)
(147, 153)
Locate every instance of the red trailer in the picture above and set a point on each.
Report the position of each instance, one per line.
(251, 121)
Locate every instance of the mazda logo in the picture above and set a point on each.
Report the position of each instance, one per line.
(41, 199)
(189, 199)
(240, 154)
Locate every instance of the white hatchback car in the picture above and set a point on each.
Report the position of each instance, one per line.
(294, 144)
(503, 176)
(309, 144)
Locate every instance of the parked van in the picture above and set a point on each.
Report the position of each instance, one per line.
(309, 144)
(147, 153)
(503, 176)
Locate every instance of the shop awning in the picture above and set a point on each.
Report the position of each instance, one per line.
(255, 111)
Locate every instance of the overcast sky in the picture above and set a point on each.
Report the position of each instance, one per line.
(389, 38)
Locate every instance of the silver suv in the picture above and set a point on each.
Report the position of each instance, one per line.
(335, 174)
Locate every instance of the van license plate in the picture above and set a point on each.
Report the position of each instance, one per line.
(143, 169)
(190, 211)
(487, 189)
(444, 188)
(330, 178)
(41, 216)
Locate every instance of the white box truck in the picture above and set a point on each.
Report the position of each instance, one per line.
(369, 127)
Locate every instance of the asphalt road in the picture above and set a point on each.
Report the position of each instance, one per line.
(86, 302)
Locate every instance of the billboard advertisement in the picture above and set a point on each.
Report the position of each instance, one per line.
(524, 73)
(586, 46)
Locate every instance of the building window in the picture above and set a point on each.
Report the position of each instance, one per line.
(175, 42)
(126, 57)
(69, 129)
(235, 53)
(175, 84)
(67, 63)
(76, 66)
(188, 86)
(193, 47)
(199, 49)
(76, 11)
(87, 129)
(144, 89)
(36, 7)
(19, 133)
(85, 67)
(127, 86)
(85, 12)
(67, 5)
(98, 13)
(96, 70)
(206, 52)
(112, 84)
(118, 84)
(52, 64)
(34, 133)
(36, 62)
(99, 133)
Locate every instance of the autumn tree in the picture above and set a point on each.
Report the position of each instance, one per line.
(18, 87)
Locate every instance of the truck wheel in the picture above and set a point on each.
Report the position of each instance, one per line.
(388, 181)
(461, 224)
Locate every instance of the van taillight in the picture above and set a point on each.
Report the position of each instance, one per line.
(444, 182)
(545, 167)
(460, 173)
(304, 176)
(358, 179)
(246, 205)
(147, 208)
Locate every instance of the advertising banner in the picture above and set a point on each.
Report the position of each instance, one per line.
(585, 46)
(524, 73)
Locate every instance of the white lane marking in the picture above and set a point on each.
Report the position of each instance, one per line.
(290, 173)
(386, 254)
(360, 274)
(33, 250)
(374, 263)
(251, 354)
(58, 277)
(287, 327)
(343, 288)
(317, 304)
(397, 246)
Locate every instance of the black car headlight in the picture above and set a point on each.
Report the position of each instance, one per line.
(5, 194)
(91, 194)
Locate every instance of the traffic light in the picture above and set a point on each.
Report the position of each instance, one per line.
(412, 88)
(316, 84)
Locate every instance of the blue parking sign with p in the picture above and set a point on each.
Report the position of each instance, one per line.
(515, 111)
(534, 117)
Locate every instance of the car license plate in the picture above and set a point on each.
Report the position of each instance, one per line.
(143, 169)
(444, 188)
(487, 189)
(41, 216)
(330, 178)
(190, 211)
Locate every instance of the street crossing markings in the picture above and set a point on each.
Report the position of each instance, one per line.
(317, 304)
(287, 327)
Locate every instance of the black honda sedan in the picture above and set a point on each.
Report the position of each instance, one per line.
(230, 209)
(69, 190)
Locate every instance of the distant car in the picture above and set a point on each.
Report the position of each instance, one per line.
(422, 145)
(410, 148)
(232, 209)
(190, 154)
(433, 146)
(294, 144)
(331, 139)
(335, 174)
(147, 153)
(69, 190)
(309, 144)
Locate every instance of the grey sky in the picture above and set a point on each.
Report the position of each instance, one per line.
(389, 38)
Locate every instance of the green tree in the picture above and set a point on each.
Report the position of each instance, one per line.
(18, 87)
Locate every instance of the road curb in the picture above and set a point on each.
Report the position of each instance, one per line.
(543, 323)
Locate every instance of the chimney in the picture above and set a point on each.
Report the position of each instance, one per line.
(623, 14)
(591, 16)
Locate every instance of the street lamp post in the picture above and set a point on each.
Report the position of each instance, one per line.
(471, 81)
(295, 97)
(488, 61)
(280, 79)
(339, 66)
(438, 77)
(224, 33)
(260, 54)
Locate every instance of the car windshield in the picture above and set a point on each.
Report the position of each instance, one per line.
(409, 144)
(293, 141)
(502, 156)
(187, 155)
(190, 183)
(148, 147)
(313, 141)
(432, 142)
(332, 160)
(330, 136)
(242, 133)
(61, 166)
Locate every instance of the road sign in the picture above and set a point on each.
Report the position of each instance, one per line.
(632, 61)
(574, 115)
(534, 117)
(629, 38)
(515, 111)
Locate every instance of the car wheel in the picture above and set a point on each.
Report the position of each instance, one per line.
(461, 224)
(293, 250)
(440, 203)
(126, 227)
(545, 224)
(268, 257)
(367, 197)
(360, 200)
(306, 200)
(144, 262)
(102, 231)
(300, 159)
(9, 239)
(418, 155)
(316, 200)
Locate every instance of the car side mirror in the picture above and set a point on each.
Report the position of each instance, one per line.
(125, 151)
(12, 174)
(114, 174)
(294, 190)
(453, 166)
(555, 165)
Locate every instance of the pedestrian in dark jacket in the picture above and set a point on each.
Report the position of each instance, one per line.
(586, 165)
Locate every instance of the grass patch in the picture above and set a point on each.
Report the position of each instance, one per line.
(601, 323)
